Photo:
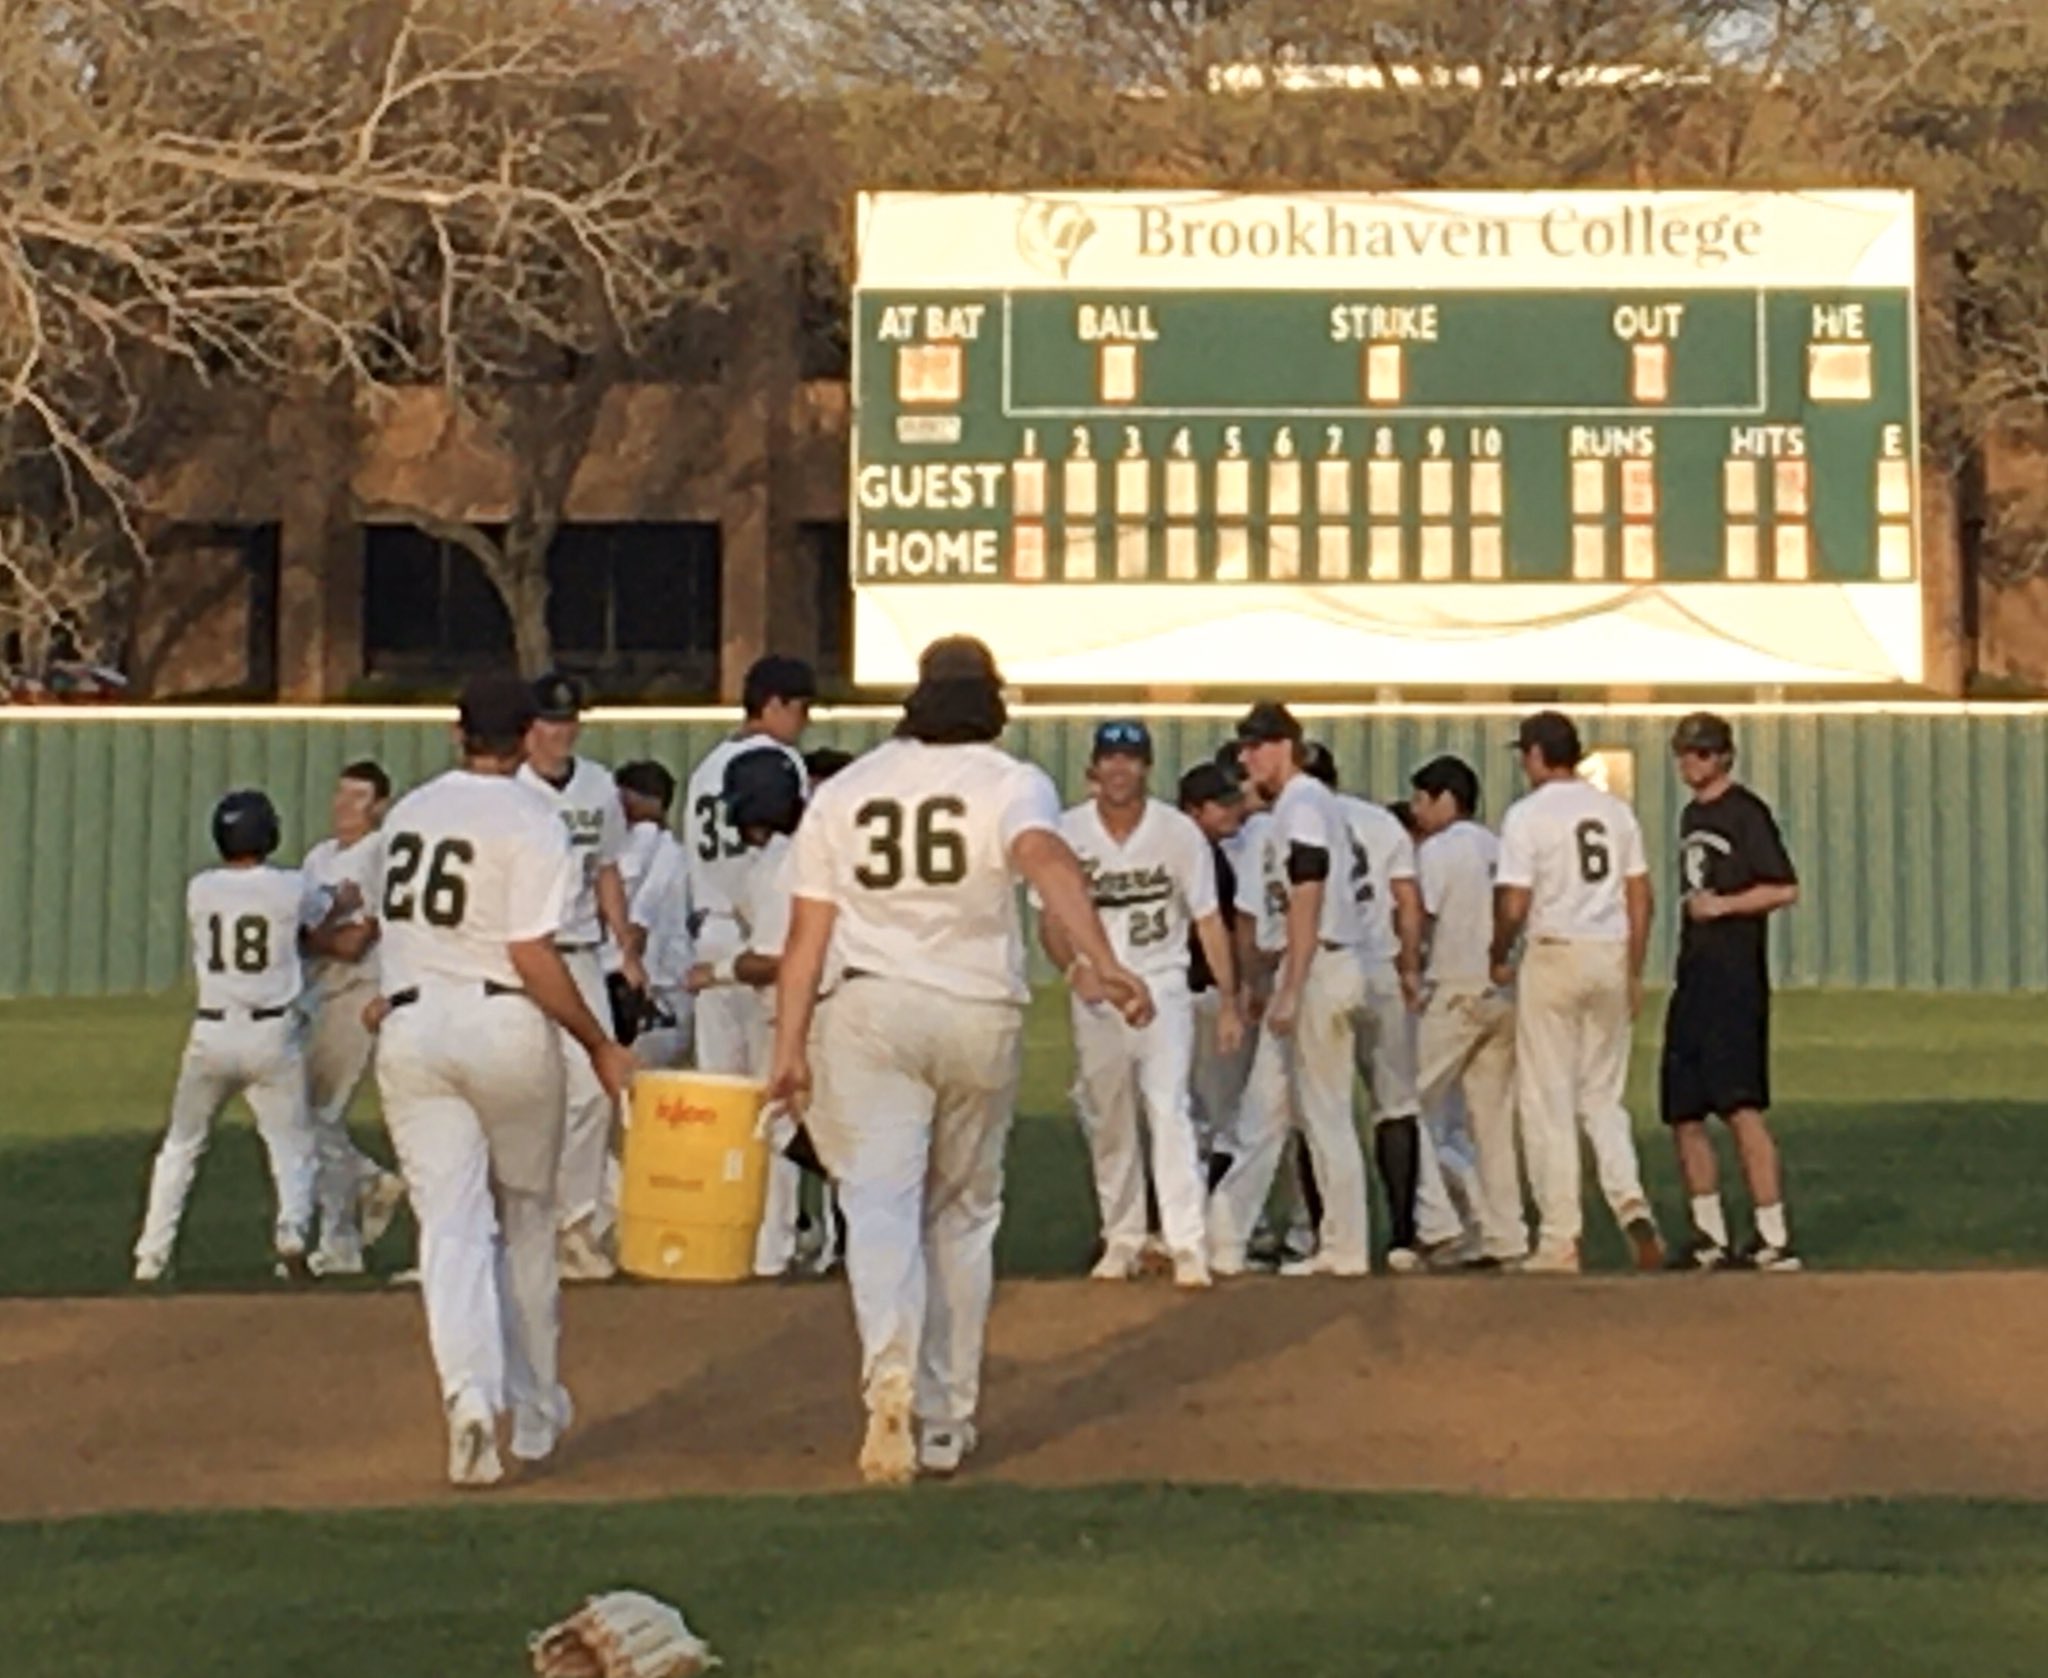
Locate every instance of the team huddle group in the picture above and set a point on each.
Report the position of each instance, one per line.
(848, 930)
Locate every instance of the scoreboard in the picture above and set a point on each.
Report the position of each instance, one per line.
(1425, 440)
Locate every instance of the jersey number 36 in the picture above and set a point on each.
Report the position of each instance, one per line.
(937, 853)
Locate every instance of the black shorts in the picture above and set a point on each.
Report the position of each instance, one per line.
(1717, 1047)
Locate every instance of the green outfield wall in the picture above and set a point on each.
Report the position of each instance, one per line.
(1921, 831)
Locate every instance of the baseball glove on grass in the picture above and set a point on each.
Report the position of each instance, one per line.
(622, 1634)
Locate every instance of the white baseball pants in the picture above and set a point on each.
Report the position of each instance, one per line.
(1119, 1072)
(1572, 1036)
(1467, 1047)
(263, 1062)
(733, 1038)
(1320, 1057)
(923, 1089)
(588, 1113)
(1217, 1086)
(338, 1051)
(1386, 1053)
(472, 1093)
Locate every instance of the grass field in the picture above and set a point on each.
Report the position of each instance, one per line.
(1915, 1130)
(998, 1583)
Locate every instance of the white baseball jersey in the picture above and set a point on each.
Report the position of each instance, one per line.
(643, 841)
(912, 843)
(1151, 888)
(589, 809)
(1262, 882)
(719, 858)
(1381, 853)
(244, 924)
(472, 863)
(328, 865)
(1455, 869)
(1572, 846)
(1306, 813)
(660, 903)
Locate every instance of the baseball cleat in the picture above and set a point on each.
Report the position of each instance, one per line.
(1404, 1261)
(1117, 1264)
(1322, 1264)
(1702, 1252)
(1761, 1255)
(1191, 1270)
(888, 1456)
(536, 1431)
(942, 1449)
(1645, 1245)
(336, 1261)
(1561, 1260)
(292, 1263)
(473, 1446)
(580, 1256)
(150, 1271)
(377, 1203)
(1227, 1264)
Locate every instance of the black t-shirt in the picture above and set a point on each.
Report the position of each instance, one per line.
(1199, 976)
(1725, 846)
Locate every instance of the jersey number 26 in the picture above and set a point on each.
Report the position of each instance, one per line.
(443, 898)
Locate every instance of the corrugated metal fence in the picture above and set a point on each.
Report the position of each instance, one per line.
(1921, 831)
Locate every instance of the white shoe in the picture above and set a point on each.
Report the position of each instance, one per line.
(149, 1271)
(536, 1432)
(888, 1456)
(406, 1278)
(1191, 1270)
(378, 1199)
(336, 1261)
(943, 1449)
(1323, 1265)
(292, 1263)
(580, 1256)
(1562, 1260)
(1117, 1264)
(473, 1446)
(1227, 1264)
(1404, 1261)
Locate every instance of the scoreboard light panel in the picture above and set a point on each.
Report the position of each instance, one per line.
(1653, 438)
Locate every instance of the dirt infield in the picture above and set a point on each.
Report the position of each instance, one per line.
(1722, 1387)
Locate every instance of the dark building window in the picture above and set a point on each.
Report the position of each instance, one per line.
(635, 607)
(825, 553)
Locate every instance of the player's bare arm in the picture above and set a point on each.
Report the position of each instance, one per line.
(1409, 921)
(1765, 898)
(796, 999)
(1215, 939)
(1304, 925)
(1510, 915)
(1051, 869)
(612, 910)
(1058, 947)
(1641, 898)
(546, 980)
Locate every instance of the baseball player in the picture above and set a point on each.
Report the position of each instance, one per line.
(1733, 875)
(764, 800)
(905, 869)
(647, 792)
(1466, 1039)
(1213, 800)
(480, 893)
(1317, 995)
(586, 801)
(357, 1197)
(660, 911)
(1573, 879)
(732, 1030)
(248, 924)
(1153, 881)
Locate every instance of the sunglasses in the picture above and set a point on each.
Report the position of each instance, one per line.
(1121, 734)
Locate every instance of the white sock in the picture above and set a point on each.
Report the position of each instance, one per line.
(1708, 1218)
(1770, 1224)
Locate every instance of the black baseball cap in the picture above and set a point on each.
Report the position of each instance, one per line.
(1553, 734)
(1123, 738)
(763, 789)
(1207, 783)
(1267, 721)
(1320, 763)
(557, 697)
(1703, 731)
(647, 778)
(498, 706)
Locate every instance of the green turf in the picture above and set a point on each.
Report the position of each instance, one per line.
(1915, 1130)
(990, 1582)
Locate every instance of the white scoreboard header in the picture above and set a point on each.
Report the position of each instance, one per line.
(1422, 241)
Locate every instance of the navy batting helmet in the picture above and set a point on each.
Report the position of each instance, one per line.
(245, 824)
(763, 789)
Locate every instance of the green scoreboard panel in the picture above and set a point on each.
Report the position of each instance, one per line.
(1587, 438)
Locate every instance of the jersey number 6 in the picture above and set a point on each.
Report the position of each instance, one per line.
(938, 853)
(1596, 861)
